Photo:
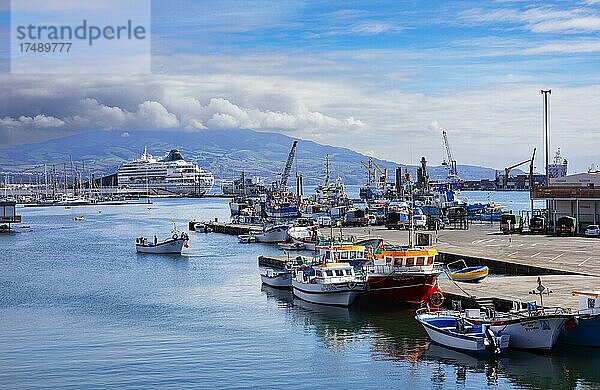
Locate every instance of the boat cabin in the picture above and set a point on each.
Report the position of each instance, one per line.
(589, 302)
(330, 273)
(396, 259)
(342, 253)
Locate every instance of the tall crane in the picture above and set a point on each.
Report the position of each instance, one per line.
(288, 167)
(370, 170)
(508, 169)
(382, 171)
(451, 162)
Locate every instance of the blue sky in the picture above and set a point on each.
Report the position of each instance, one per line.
(381, 77)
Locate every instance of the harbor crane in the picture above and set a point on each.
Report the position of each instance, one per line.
(382, 171)
(508, 169)
(288, 167)
(451, 162)
(370, 171)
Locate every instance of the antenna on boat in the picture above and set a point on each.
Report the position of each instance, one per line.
(541, 290)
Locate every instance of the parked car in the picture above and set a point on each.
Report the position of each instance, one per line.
(592, 231)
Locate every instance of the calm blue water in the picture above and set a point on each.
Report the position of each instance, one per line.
(79, 308)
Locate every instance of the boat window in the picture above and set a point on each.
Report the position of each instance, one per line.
(327, 255)
(344, 255)
(319, 274)
(329, 272)
(430, 260)
(339, 272)
(388, 260)
(420, 260)
(360, 255)
(352, 255)
(410, 261)
(349, 272)
(398, 261)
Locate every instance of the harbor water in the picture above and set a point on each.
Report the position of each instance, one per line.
(79, 308)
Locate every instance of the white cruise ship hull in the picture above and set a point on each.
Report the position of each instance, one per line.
(343, 294)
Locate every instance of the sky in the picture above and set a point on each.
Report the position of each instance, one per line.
(381, 77)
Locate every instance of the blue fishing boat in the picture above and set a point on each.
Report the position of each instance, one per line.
(460, 334)
(584, 330)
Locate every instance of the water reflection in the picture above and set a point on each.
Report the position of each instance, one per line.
(396, 336)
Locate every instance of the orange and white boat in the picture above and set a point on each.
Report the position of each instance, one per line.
(402, 275)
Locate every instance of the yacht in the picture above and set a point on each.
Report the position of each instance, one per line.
(170, 174)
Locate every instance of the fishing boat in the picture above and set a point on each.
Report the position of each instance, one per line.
(461, 334)
(402, 275)
(530, 326)
(332, 284)
(246, 238)
(584, 330)
(272, 234)
(355, 255)
(79, 219)
(304, 232)
(473, 274)
(277, 279)
(291, 246)
(172, 245)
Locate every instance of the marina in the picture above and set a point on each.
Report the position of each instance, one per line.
(188, 284)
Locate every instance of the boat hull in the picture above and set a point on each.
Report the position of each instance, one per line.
(540, 333)
(278, 280)
(328, 294)
(470, 275)
(586, 333)
(273, 235)
(399, 289)
(469, 343)
(167, 247)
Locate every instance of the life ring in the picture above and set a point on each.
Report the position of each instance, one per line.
(437, 299)
(174, 236)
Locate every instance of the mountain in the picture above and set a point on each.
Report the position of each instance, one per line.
(224, 152)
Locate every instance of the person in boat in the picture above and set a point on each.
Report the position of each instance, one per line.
(155, 240)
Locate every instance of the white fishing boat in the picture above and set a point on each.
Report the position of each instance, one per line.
(529, 326)
(306, 234)
(272, 234)
(291, 246)
(329, 284)
(172, 245)
(246, 238)
(277, 279)
(460, 334)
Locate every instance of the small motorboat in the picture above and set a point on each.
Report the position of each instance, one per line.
(172, 245)
(458, 333)
(473, 274)
(291, 246)
(79, 218)
(246, 238)
(202, 228)
(277, 279)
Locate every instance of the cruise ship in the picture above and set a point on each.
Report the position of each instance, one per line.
(168, 175)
